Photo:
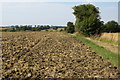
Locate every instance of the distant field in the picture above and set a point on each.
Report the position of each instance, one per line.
(3, 28)
(110, 37)
(55, 30)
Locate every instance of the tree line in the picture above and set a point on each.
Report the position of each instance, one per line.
(14, 28)
(88, 21)
(27, 28)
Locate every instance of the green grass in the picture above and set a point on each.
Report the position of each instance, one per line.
(106, 54)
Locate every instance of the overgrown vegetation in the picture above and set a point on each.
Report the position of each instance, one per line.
(70, 27)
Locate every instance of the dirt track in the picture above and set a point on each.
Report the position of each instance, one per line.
(51, 55)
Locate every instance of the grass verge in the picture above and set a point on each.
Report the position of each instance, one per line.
(106, 54)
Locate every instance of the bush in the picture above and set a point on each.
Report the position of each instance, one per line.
(4, 30)
(70, 27)
(111, 26)
(65, 29)
(46, 30)
(61, 30)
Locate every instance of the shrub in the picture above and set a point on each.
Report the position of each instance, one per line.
(61, 30)
(70, 27)
(111, 26)
(46, 30)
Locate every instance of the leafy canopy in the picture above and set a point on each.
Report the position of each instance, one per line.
(111, 26)
(87, 19)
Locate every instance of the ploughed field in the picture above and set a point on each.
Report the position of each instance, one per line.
(51, 55)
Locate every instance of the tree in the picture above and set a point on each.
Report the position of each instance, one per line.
(65, 28)
(70, 27)
(87, 19)
(29, 27)
(111, 26)
(119, 28)
(91, 26)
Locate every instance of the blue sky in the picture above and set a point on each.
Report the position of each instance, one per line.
(50, 13)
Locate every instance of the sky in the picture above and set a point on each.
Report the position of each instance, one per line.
(50, 13)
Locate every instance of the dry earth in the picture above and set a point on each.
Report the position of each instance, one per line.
(51, 55)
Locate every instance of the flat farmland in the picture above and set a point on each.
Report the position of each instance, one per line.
(51, 55)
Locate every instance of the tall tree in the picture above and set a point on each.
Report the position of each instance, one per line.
(87, 19)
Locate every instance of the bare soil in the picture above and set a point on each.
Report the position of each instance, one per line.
(51, 55)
